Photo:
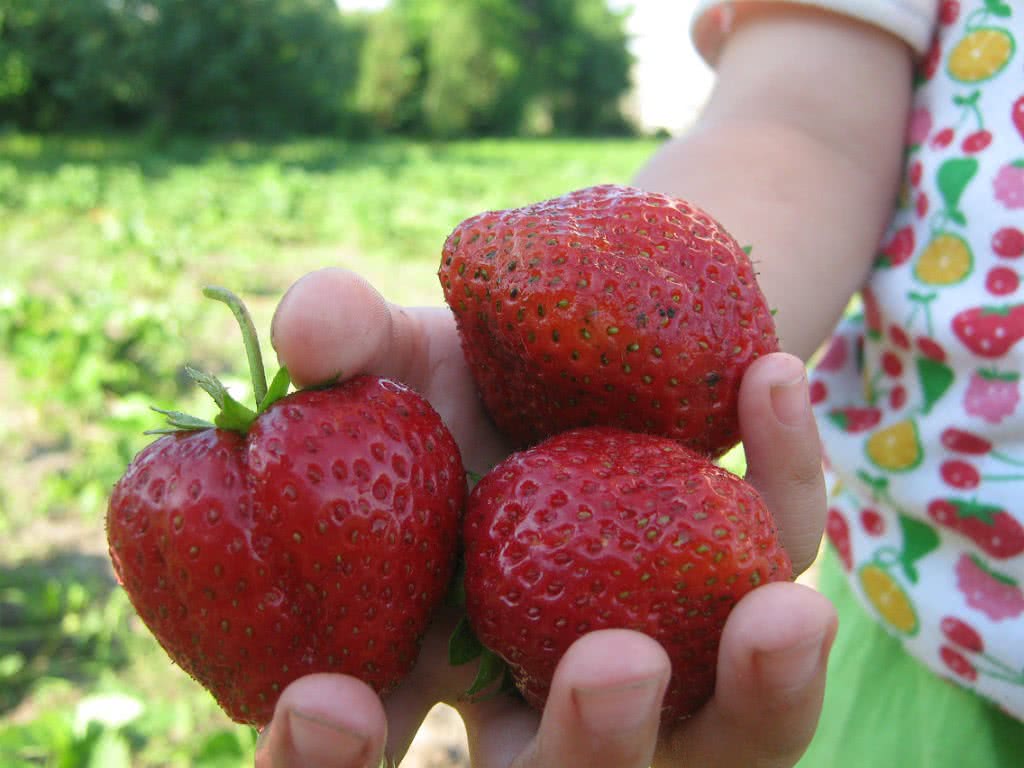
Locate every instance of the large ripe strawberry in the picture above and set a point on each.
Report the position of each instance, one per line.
(316, 536)
(607, 306)
(600, 528)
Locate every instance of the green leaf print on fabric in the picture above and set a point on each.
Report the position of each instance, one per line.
(936, 378)
(919, 539)
(953, 177)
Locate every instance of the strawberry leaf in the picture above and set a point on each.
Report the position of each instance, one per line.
(463, 645)
(278, 389)
(211, 384)
(491, 669)
(234, 416)
(179, 422)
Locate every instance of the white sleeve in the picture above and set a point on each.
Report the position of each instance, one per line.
(911, 20)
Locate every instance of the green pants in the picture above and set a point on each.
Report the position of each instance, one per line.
(884, 709)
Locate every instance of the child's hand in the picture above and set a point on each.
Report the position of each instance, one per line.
(603, 706)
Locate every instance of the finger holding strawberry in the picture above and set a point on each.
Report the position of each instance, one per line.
(333, 323)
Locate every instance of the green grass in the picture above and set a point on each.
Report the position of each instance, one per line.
(105, 245)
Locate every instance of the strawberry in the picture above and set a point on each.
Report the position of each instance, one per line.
(317, 534)
(600, 528)
(607, 306)
(989, 526)
(990, 331)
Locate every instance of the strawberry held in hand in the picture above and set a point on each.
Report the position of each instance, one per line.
(607, 306)
(316, 536)
(599, 528)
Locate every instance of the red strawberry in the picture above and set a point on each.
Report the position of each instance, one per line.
(600, 528)
(1017, 115)
(607, 306)
(991, 527)
(990, 331)
(321, 540)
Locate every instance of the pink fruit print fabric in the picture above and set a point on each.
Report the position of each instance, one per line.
(919, 393)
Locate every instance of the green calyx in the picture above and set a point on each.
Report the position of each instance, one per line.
(233, 415)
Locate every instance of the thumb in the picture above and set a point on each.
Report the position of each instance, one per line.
(332, 324)
(328, 721)
(783, 450)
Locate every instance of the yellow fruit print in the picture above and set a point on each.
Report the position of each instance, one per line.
(888, 598)
(982, 54)
(895, 448)
(946, 260)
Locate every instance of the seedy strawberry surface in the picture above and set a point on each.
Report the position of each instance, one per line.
(607, 306)
(598, 528)
(322, 541)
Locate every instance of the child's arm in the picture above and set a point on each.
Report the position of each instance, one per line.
(798, 154)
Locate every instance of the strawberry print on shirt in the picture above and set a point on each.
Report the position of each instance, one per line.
(919, 393)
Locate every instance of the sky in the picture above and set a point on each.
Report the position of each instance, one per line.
(670, 80)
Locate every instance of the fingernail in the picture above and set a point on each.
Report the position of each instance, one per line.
(318, 742)
(618, 708)
(791, 401)
(792, 668)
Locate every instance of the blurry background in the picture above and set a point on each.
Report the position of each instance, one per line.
(150, 147)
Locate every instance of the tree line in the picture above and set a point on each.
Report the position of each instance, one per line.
(437, 68)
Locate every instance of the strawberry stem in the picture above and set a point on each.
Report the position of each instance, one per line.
(233, 415)
(249, 338)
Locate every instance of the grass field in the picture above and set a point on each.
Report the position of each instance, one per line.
(105, 245)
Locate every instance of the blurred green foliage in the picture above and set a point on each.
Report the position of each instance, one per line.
(279, 67)
(105, 245)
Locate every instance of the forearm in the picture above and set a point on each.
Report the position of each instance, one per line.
(798, 155)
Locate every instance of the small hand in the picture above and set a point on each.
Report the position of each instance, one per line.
(603, 706)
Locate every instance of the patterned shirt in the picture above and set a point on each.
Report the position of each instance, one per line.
(918, 393)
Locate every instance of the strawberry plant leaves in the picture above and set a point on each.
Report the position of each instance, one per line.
(179, 422)
(491, 669)
(463, 645)
(234, 416)
(210, 384)
(278, 389)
